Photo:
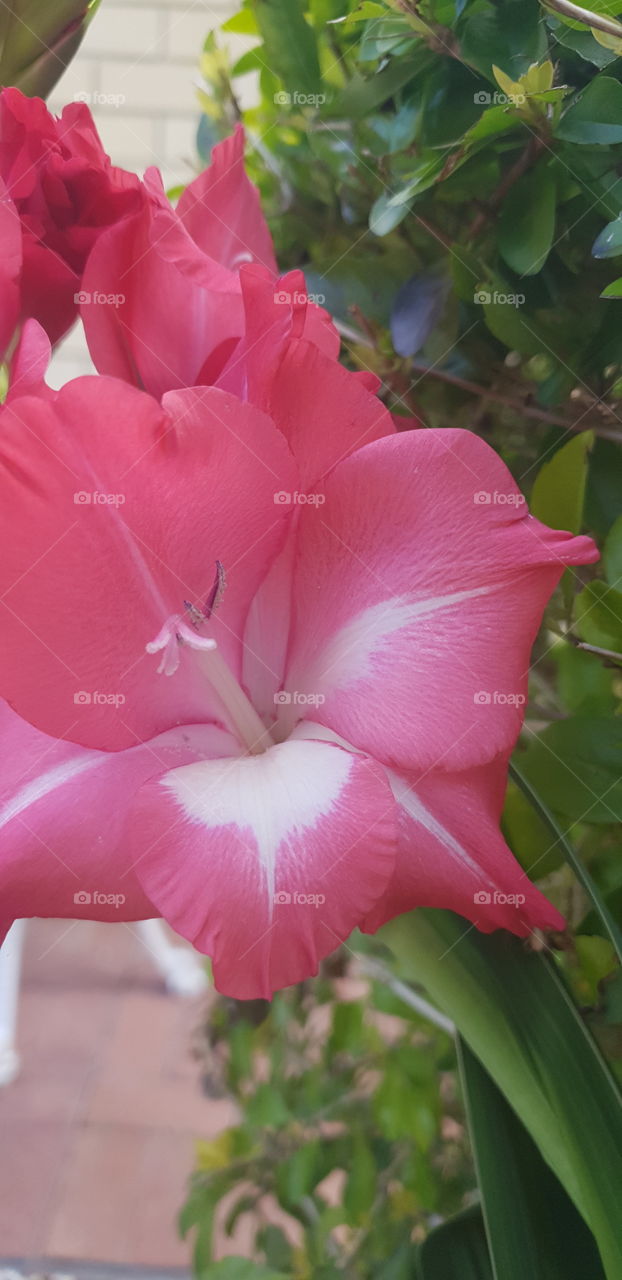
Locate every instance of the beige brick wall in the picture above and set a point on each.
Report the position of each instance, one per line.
(138, 70)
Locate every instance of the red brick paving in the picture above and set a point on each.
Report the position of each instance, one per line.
(97, 1133)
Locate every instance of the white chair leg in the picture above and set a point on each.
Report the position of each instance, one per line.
(181, 968)
(10, 969)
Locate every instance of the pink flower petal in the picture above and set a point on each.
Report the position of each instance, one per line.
(63, 810)
(115, 512)
(451, 854)
(155, 308)
(266, 863)
(221, 209)
(419, 588)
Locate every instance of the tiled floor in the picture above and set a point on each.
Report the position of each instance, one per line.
(97, 1133)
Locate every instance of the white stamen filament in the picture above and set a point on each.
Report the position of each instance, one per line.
(247, 724)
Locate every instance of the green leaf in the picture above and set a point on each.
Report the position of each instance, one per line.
(298, 1176)
(580, 871)
(457, 1250)
(527, 223)
(596, 116)
(598, 613)
(505, 320)
(603, 501)
(613, 290)
(576, 764)
(266, 1107)
(584, 684)
(347, 1027)
(360, 1189)
(233, 1268)
(494, 121)
(243, 23)
(363, 95)
(609, 243)
(509, 35)
(392, 207)
(528, 836)
(532, 1226)
(366, 10)
(516, 1015)
(583, 43)
(597, 961)
(612, 554)
(290, 45)
(558, 494)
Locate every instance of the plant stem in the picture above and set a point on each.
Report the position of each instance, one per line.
(574, 11)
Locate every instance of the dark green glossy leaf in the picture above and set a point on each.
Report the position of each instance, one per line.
(609, 243)
(290, 45)
(613, 290)
(558, 494)
(577, 766)
(598, 613)
(612, 554)
(456, 1251)
(532, 1226)
(527, 223)
(596, 116)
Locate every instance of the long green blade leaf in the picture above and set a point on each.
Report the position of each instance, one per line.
(532, 1226)
(513, 1010)
(457, 1250)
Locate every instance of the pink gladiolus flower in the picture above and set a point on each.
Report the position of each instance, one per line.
(180, 318)
(58, 192)
(265, 665)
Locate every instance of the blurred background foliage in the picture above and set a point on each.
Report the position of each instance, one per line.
(447, 173)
